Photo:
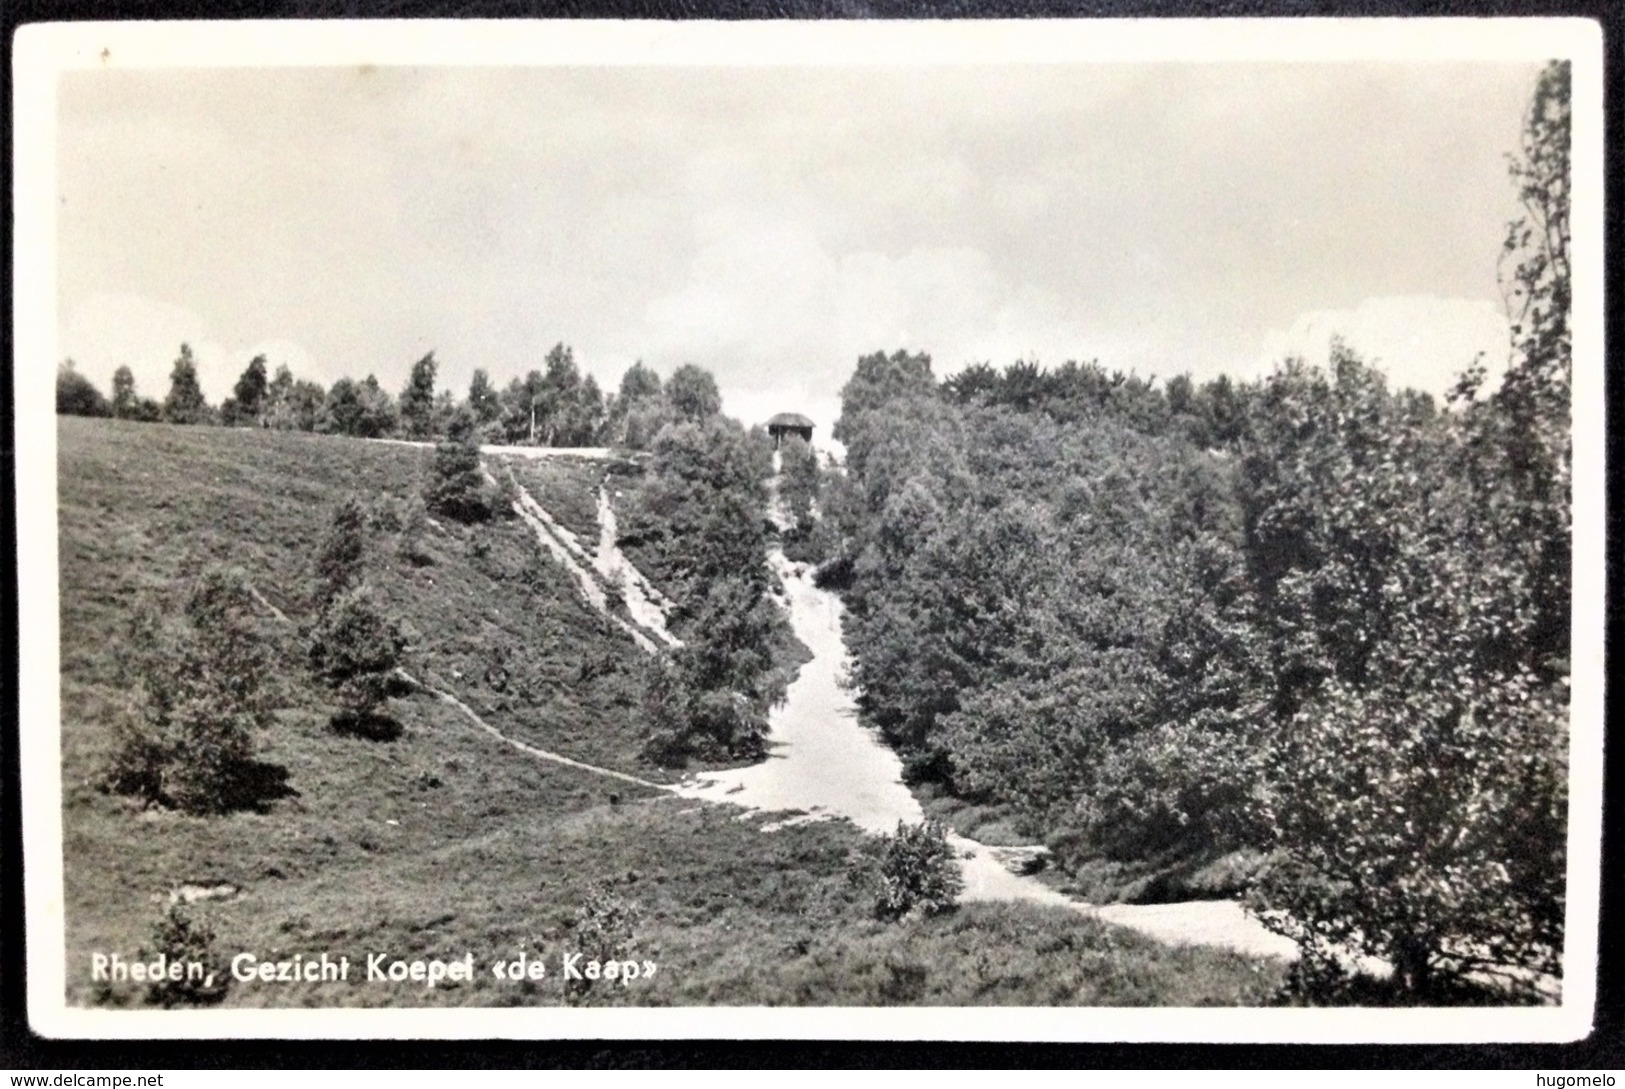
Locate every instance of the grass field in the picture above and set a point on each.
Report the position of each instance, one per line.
(444, 841)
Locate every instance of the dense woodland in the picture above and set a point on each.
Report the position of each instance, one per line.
(1312, 617)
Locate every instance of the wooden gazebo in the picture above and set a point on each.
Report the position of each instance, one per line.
(789, 423)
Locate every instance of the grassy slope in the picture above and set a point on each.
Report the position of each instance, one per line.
(568, 488)
(445, 841)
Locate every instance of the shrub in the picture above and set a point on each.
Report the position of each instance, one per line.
(76, 395)
(686, 719)
(918, 872)
(339, 556)
(456, 487)
(604, 928)
(355, 648)
(186, 941)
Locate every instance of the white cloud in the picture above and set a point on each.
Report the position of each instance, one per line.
(108, 331)
(1419, 341)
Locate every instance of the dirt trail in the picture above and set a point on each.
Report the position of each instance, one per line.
(594, 574)
(824, 764)
(529, 750)
(646, 605)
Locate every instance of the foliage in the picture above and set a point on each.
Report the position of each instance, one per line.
(185, 403)
(355, 648)
(199, 694)
(293, 405)
(416, 403)
(697, 527)
(251, 391)
(1522, 439)
(1309, 617)
(483, 400)
(124, 399)
(711, 696)
(360, 409)
(77, 395)
(457, 486)
(692, 393)
(799, 482)
(338, 563)
(918, 872)
(186, 940)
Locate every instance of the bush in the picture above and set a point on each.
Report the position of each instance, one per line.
(339, 556)
(685, 719)
(199, 694)
(76, 395)
(457, 487)
(187, 941)
(604, 928)
(355, 649)
(918, 872)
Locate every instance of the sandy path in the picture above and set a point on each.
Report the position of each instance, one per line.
(821, 761)
(825, 764)
(646, 605)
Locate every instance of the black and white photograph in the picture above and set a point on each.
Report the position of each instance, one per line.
(1003, 531)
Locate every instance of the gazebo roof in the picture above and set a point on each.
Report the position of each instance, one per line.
(790, 419)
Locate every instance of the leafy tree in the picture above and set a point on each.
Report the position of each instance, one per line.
(483, 400)
(251, 392)
(799, 481)
(1523, 439)
(692, 394)
(124, 397)
(417, 400)
(76, 395)
(519, 409)
(877, 380)
(279, 388)
(638, 383)
(446, 407)
(294, 405)
(378, 416)
(1416, 787)
(590, 407)
(185, 403)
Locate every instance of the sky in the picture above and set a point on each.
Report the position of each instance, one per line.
(773, 224)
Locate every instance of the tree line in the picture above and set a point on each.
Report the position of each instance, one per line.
(555, 405)
(1311, 616)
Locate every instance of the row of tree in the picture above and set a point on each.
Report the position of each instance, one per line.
(554, 406)
(1310, 616)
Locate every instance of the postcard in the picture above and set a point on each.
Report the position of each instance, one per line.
(967, 530)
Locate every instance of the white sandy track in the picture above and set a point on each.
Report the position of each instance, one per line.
(647, 606)
(594, 572)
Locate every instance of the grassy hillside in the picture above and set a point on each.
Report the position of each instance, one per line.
(446, 841)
